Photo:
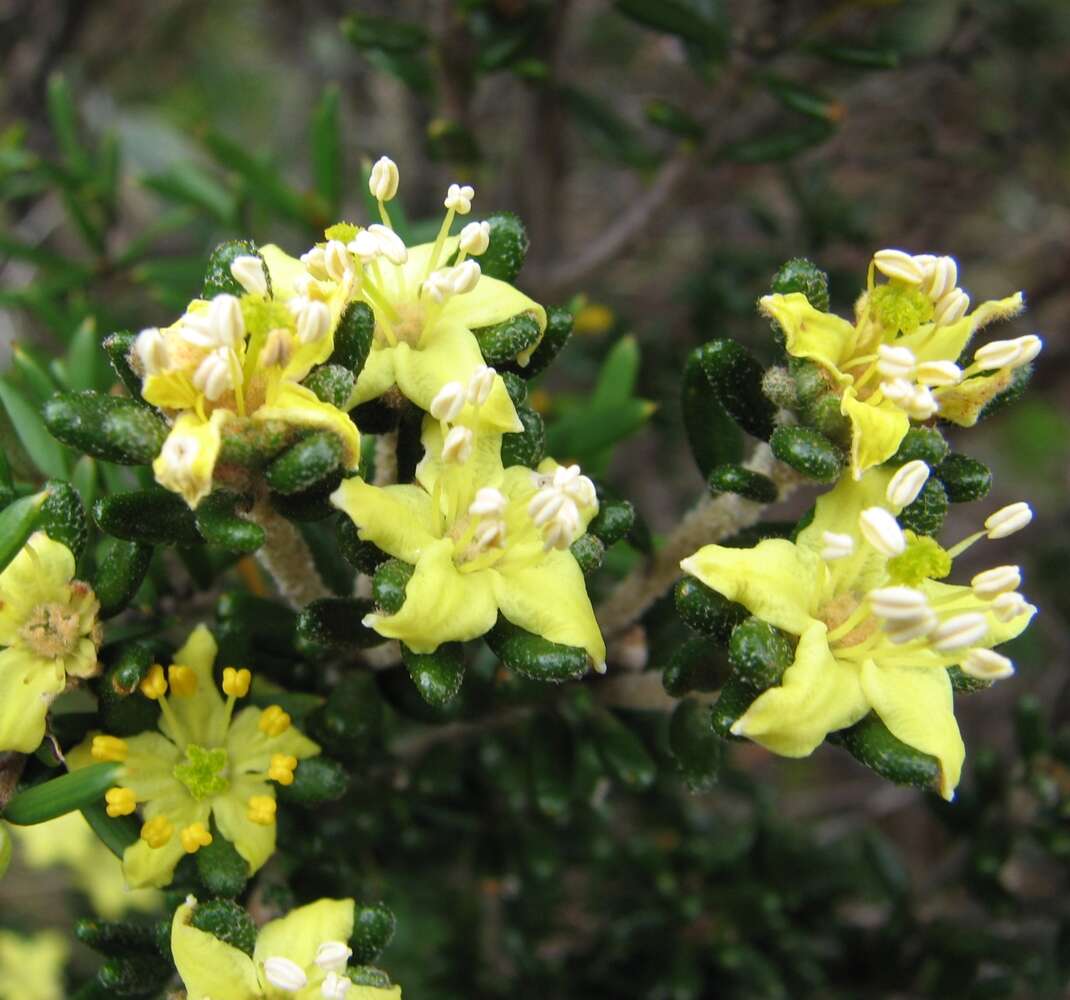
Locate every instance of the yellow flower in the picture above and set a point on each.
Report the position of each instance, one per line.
(69, 841)
(303, 955)
(232, 360)
(205, 764)
(31, 968)
(876, 630)
(482, 539)
(48, 622)
(897, 362)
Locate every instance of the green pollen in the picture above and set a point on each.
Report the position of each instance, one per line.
(344, 232)
(261, 316)
(900, 308)
(923, 559)
(204, 773)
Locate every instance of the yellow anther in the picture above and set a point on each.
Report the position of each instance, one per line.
(282, 768)
(120, 801)
(109, 749)
(194, 837)
(236, 682)
(262, 810)
(183, 680)
(274, 721)
(157, 831)
(154, 684)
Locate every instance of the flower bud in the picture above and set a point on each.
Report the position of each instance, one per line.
(383, 182)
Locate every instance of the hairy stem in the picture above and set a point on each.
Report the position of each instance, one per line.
(711, 520)
(286, 556)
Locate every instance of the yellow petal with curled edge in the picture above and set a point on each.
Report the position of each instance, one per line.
(491, 302)
(550, 599)
(28, 685)
(39, 574)
(398, 519)
(375, 377)
(298, 405)
(187, 460)
(817, 696)
(917, 706)
(450, 353)
(810, 333)
(777, 581)
(298, 935)
(946, 343)
(442, 604)
(209, 967)
(876, 431)
(170, 391)
(962, 404)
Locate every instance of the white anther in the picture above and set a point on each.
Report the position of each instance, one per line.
(315, 263)
(907, 483)
(365, 245)
(475, 238)
(150, 348)
(1007, 520)
(336, 260)
(938, 373)
(220, 325)
(277, 350)
(922, 404)
(332, 956)
(489, 502)
(1009, 606)
(993, 582)
(899, 391)
(213, 374)
(480, 385)
(248, 271)
(448, 402)
(898, 264)
(986, 665)
(285, 974)
(391, 245)
(464, 277)
(335, 986)
(880, 529)
(1031, 346)
(313, 320)
(998, 354)
(895, 362)
(582, 490)
(951, 307)
(459, 198)
(457, 448)
(963, 630)
(941, 277)
(180, 451)
(383, 182)
(900, 631)
(836, 546)
(439, 285)
(545, 505)
(898, 603)
(489, 533)
(563, 530)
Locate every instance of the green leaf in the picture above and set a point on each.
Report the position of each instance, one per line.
(64, 122)
(117, 833)
(609, 134)
(366, 31)
(860, 56)
(83, 357)
(47, 454)
(61, 795)
(584, 432)
(783, 144)
(690, 20)
(714, 437)
(33, 377)
(618, 375)
(187, 184)
(17, 522)
(264, 182)
(327, 151)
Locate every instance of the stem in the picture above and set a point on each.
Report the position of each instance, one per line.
(286, 557)
(711, 520)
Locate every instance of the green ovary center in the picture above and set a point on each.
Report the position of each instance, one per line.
(922, 559)
(204, 772)
(51, 630)
(900, 308)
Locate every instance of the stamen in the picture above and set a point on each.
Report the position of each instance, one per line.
(194, 837)
(336, 260)
(488, 502)
(448, 402)
(464, 277)
(365, 246)
(898, 603)
(182, 679)
(214, 375)
(457, 448)
(1009, 606)
(384, 179)
(236, 681)
(335, 986)
(391, 246)
(120, 801)
(315, 263)
(942, 274)
(282, 768)
(273, 721)
(987, 665)
(150, 348)
(907, 483)
(475, 238)
(157, 832)
(939, 373)
(278, 349)
(1008, 520)
(285, 975)
(154, 684)
(480, 385)
(836, 546)
(333, 956)
(880, 529)
(313, 321)
(262, 810)
(248, 271)
(963, 630)
(951, 307)
(898, 264)
(438, 285)
(895, 362)
(909, 629)
(459, 198)
(993, 582)
(109, 749)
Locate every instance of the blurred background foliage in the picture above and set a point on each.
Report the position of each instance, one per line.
(667, 156)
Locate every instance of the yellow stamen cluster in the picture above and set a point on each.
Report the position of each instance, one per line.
(120, 802)
(274, 721)
(109, 749)
(194, 837)
(282, 768)
(157, 831)
(262, 810)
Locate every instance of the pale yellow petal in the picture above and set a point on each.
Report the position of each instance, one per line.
(209, 968)
(396, 518)
(255, 842)
(809, 333)
(299, 934)
(191, 477)
(298, 405)
(376, 376)
(200, 716)
(152, 867)
(876, 431)
(28, 685)
(489, 303)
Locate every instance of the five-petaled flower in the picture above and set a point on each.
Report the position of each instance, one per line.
(205, 766)
(482, 539)
(48, 622)
(875, 629)
(303, 956)
(897, 362)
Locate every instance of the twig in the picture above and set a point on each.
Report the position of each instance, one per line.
(711, 520)
(286, 556)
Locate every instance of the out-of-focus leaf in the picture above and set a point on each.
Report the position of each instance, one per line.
(673, 119)
(451, 142)
(84, 479)
(694, 21)
(62, 117)
(187, 184)
(780, 145)
(586, 431)
(32, 374)
(805, 100)
(366, 31)
(410, 68)
(862, 56)
(616, 379)
(264, 182)
(327, 151)
(83, 357)
(47, 453)
(610, 135)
